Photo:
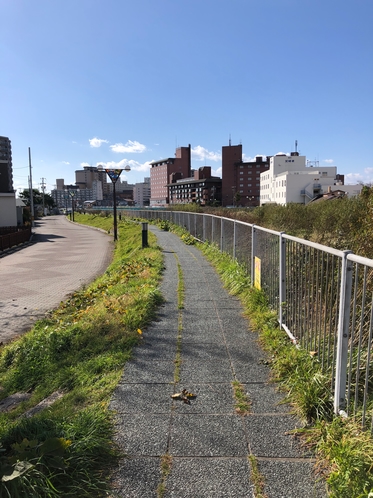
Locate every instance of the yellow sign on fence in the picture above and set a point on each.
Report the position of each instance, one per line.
(257, 279)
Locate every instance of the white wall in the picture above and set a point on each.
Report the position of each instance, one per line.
(8, 210)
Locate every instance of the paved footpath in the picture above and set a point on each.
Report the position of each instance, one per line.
(34, 279)
(209, 444)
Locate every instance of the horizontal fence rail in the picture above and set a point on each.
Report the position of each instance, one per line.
(323, 297)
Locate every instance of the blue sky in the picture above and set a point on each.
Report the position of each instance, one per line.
(116, 82)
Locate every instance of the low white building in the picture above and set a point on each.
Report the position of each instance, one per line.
(291, 179)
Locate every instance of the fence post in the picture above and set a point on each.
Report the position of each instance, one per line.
(342, 339)
(234, 239)
(221, 234)
(253, 252)
(282, 279)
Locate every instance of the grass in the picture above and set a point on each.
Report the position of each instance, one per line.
(257, 478)
(79, 349)
(166, 462)
(242, 402)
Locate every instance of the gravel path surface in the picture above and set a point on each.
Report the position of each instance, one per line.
(207, 442)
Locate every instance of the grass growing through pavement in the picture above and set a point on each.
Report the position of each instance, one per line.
(257, 478)
(344, 451)
(242, 403)
(79, 349)
(166, 462)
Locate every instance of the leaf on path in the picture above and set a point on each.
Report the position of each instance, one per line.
(184, 396)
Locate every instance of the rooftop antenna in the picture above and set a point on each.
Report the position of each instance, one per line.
(230, 141)
(296, 146)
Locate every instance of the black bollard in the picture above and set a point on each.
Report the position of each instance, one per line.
(144, 235)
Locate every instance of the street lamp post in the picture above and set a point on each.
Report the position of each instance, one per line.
(114, 175)
(70, 193)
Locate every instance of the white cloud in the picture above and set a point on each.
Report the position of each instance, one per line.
(216, 172)
(134, 165)
(97, 142)
(131, 147)
(365, 177)
(329, 161)
(65, 162)
(200, 154)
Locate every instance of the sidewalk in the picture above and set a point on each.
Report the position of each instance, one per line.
(61, 258)
(209, 443)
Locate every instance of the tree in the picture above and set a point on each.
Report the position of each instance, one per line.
(37, 198)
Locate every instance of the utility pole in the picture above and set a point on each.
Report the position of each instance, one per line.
(31, 192)
(42, 185)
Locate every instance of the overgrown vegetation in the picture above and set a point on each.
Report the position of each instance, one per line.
(342, 223)
(80, 350)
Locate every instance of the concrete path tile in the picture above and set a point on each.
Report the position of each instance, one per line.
(140, 398)
(269, 436)
(198, 371)
(250, 372)
(265, 399)
(282, 479)
(215, 435)
(209, 351)
(142, 434)
(137, 477)
(143, 370)
(209, 478)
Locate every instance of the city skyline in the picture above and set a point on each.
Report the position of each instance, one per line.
(89, 83)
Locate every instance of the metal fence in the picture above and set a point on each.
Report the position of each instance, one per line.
(323, 297)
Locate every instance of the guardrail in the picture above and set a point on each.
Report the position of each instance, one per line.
(323, 297)
(14, 236)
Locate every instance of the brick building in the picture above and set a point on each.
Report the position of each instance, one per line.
(161, 171)
(241, 180)
(201, 188)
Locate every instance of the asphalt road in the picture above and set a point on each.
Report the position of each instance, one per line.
(34, 279)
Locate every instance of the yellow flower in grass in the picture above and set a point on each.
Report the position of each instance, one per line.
(139, 331)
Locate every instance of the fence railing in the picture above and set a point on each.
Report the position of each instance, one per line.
(323, 297)
(15, 236)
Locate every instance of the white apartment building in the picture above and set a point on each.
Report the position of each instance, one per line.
(290, 179)
(141, 193)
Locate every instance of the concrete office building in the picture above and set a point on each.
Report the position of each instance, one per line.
(141, 193)
(85, 178)
(293, 179)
